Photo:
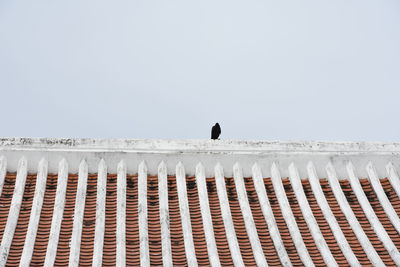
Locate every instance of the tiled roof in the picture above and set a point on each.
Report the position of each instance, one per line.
(83, 203)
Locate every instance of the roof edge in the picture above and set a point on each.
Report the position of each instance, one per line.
(193, 145)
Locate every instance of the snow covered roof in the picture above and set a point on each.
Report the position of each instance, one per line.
(198, 202)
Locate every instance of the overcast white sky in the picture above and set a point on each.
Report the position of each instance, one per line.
(267, 69)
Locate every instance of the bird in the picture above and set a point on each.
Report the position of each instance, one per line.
(215, 131)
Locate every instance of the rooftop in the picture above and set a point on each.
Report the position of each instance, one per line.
(81, 202)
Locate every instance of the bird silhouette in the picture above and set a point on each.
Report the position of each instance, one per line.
(215, 131)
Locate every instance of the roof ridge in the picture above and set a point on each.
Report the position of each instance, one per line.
(198, 145)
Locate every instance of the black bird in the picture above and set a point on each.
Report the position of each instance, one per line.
(215, 131)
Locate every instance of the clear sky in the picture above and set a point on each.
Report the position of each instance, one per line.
(267, 69)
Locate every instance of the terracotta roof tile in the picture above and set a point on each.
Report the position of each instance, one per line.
(63, 249)
(219, 229)
(261, 225)
(179, 255)
(355, 205)
(88, 226)
(284, 231)
(132, 226)
(347, 231)
(42, 236)
(305, 232)
(5, 200)
(177, 242)
(323, 225)
(380, 212)
(23, 221)
(109, 248)
(196, 220)
(154, 222)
